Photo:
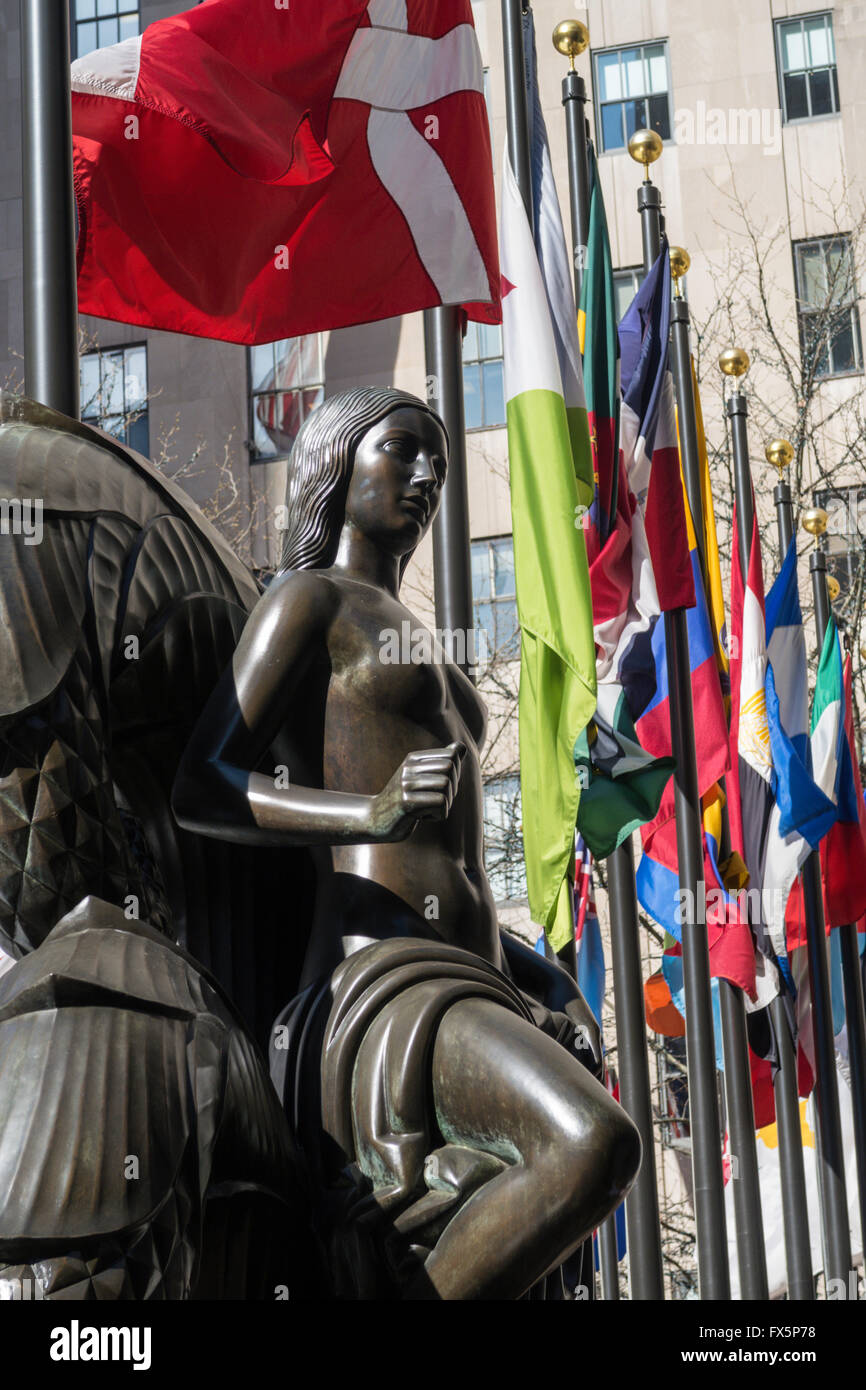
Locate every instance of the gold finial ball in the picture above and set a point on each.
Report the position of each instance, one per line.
(680, 262)
(832, 587)
(570, 38)
(779, 453)
(815, 521)
(645, 146)
(734, 362)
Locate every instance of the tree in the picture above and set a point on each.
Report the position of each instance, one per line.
(797, 313)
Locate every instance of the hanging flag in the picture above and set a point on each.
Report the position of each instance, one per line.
(621, 784)
(599, 346)
(712, 569)
(730, 944)
(255, 172)
(551, 483)
(587, 932)
(843, 849)
(649, 434)
(750, 784)
(802, 811)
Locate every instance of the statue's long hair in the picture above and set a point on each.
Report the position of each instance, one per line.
(320, 468)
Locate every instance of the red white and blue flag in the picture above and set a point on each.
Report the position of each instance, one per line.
(251, 171)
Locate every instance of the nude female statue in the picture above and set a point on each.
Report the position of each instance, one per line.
(421, 1026)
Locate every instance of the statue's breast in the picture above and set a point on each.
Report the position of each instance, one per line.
(389, 662)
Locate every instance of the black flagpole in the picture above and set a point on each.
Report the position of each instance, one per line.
(795, 1217)
(50, 292)
(709, 1194)
(571, 38)
(452, 574)
(792, 1176)
(645, 1270)
(830, 1152)
(751, 1253)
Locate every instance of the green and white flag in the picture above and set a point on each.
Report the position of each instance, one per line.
(550, 469)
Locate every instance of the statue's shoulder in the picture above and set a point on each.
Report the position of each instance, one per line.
(309, 597)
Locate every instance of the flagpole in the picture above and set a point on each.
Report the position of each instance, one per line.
(645, 147)
(452, 572)
(607, 1259)
(830, 1152)
(50, 294)
(779, 453)
(751, 1252)
(643, 1230)
(856, 1021)
(572, 38)
(792, 1173)
(516, 112)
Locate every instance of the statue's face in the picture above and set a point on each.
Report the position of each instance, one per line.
(397, 478)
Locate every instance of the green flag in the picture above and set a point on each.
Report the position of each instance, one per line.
(551, 485)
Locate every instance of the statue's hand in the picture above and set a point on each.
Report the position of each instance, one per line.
(422, 788)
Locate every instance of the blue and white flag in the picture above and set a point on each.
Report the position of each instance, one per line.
(805, 772)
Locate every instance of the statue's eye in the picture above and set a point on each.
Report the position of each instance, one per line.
(401, 448)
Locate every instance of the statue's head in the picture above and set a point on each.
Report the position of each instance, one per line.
(373, 457)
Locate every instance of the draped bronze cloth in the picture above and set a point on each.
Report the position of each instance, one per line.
(363, 1111)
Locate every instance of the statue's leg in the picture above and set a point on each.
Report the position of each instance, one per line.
(501, 1085)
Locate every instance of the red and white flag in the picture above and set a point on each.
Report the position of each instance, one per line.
(251, 171)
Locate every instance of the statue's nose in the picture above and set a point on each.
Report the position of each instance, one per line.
(424, 474)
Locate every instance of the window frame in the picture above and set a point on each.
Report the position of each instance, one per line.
(494, 600)
(512, 870)
(254, 456)
(479, 362)
(598, 104)
(781, 72)
(637, 273)
(143, 413)
(844, 560)
(119, 12)
(804, 311)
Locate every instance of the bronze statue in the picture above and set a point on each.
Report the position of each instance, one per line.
(438, 1136)
(455, 1147)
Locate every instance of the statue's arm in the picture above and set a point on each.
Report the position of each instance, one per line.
(219, 793)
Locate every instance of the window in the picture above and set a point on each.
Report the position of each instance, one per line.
(287, 383)
(493, 596)
(631, 93)
(626, 284)
(503, 839)
(483, 388)
(842, 542)
(827, 305)
(98, 23)
(114, 393)
(806, 58)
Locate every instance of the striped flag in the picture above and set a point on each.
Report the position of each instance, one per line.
(551, 484)
(843, 849)
(649, 434)
(731, 948)
(804, 773)
(622, 785)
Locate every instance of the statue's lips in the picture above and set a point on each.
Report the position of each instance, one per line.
(419, 506)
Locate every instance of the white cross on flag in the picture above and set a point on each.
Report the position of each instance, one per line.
(253, 170)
